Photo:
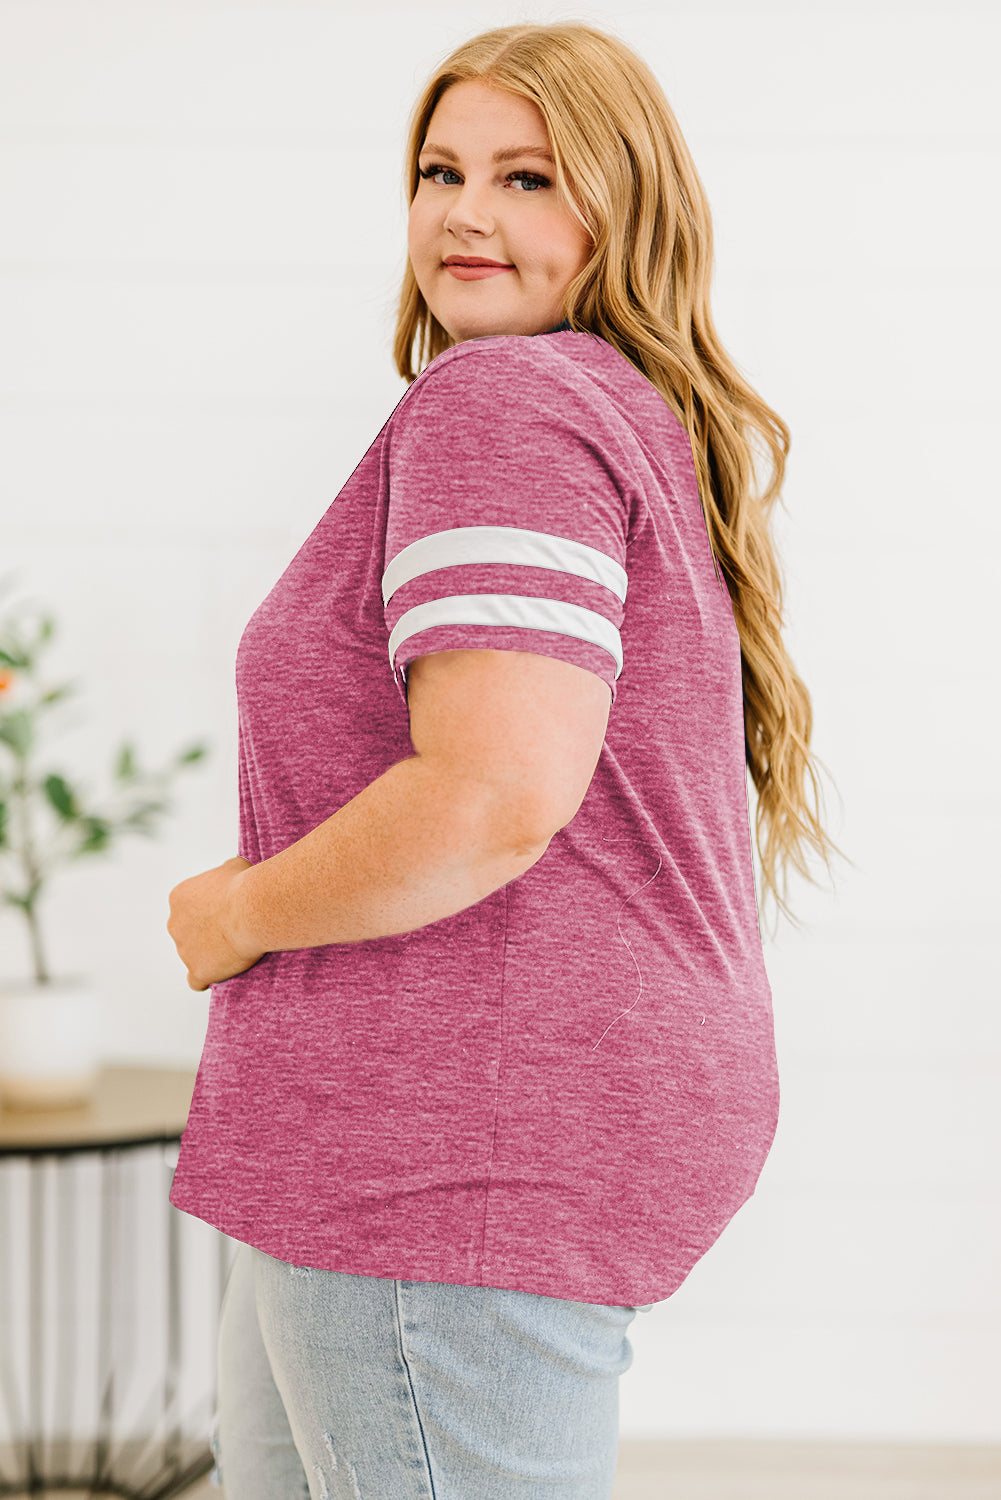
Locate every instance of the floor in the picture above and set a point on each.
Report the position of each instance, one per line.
(806, 1471)
(791, 1471)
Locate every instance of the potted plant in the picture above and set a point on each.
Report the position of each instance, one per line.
(50, 1027)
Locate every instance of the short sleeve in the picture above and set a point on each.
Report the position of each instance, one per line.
(507, 512)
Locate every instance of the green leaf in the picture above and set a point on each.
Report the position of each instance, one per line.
(125, 767)
(146, 810)
(15, 731)
(62, 798)
(189, 756)
(56, 694)
(96, 835)
(3, 825)
(13, 651)
(47, 629)
(23, 902)
(140, 823)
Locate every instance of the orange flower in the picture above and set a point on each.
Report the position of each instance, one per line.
(6, 680)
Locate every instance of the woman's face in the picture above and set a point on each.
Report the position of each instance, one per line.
(508, 211)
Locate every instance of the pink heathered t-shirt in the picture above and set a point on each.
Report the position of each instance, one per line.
(570, 1087)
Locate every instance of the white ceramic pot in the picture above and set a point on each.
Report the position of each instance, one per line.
(51, 1040)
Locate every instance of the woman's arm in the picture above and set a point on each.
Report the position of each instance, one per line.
(506, 744)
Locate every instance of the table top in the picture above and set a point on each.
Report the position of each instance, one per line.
(132, 1106)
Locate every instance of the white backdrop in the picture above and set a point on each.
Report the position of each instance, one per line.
(202, 237)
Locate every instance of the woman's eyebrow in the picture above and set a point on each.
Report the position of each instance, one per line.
(508, 154)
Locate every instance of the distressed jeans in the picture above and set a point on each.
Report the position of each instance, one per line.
(341, 1387)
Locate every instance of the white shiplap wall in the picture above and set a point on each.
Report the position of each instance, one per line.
(202, 236)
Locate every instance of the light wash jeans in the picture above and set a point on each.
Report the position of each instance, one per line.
(344, 1387)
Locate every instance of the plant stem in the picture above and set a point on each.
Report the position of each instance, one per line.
(37, 956)
(32, 872)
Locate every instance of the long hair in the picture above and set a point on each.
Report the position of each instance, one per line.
(625, 170)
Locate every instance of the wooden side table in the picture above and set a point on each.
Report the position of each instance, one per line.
(109, 1297)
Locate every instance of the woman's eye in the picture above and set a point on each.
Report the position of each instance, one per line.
(434, 171)
(535, 179)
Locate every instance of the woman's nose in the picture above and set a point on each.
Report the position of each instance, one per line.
(468, 210)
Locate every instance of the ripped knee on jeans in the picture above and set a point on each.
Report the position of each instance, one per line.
(337, 1465)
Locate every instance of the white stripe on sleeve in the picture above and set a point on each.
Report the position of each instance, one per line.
(517, 610)
(503, 544)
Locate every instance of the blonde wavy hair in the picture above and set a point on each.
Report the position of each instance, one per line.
(626, 171)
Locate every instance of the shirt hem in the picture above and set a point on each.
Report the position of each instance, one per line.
(397, 1265)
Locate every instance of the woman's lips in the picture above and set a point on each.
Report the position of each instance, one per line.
(476, 273)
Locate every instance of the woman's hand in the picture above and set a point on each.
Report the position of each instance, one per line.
(199, 925)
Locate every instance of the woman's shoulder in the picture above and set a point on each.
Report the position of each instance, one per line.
(521, 367)
(471, 355)
(564, 379)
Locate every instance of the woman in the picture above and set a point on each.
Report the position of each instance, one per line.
(490, 1060)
